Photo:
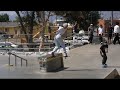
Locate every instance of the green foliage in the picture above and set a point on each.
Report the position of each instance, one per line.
(26, 18)
(4, 18)
(84, 18)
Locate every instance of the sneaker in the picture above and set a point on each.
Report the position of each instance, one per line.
(104, 66)
(66, 56)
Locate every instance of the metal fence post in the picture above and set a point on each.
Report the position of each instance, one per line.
(26, 63)
(15, 61)
(21, 61)
(9, 58)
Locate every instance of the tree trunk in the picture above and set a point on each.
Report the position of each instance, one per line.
(41, 19)
(21, 23)
(28, 35)
(31, 32)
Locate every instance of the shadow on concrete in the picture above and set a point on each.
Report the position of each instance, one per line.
(113, 67)
(79, 70)
(60, 69)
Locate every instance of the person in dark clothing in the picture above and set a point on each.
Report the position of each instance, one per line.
(49, 31)
(75, 31)
(110, 32)
(75, 28)
(116, 33)
(103, 51)
(90, 33)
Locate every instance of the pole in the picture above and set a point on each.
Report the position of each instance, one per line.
(111, 17)
(91, 17)
(9, 58)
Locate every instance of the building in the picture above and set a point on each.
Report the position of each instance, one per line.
(11, 28)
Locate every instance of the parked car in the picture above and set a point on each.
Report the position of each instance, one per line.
(7, 45)
(84, 39)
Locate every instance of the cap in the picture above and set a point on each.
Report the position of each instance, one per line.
(65, 25)
(91, 24)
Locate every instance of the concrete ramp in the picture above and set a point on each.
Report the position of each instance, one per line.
(82, 63)
(112, 75)
(65, 74)
(88, 74)
(69, 72)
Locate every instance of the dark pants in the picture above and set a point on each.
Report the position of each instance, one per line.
(116, 38)
(90, 38)
(110, 36)
(100, 38)
(104, 59)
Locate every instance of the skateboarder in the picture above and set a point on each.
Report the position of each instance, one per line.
(103, 51)
(59, 40)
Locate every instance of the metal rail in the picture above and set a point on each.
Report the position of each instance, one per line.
(9, 53)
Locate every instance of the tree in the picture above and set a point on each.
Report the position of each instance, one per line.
(84, 18)
(27, 25)
(4, 18)
(43, 18)
(28, 19)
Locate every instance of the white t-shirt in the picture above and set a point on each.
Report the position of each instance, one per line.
(100, 30)
(116, 29)
(60, 31)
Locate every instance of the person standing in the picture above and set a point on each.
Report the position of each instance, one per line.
(49, 31)
(100, 33)
(90, 33)
(75, 31)
(110, 32)
(75, 28)
(116, 33)
(103, 51)
(59, 40)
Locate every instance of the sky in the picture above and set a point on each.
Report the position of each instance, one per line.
(11, 14)
(105, 15)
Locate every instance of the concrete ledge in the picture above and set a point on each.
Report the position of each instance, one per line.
(52, 64)
(112, 75)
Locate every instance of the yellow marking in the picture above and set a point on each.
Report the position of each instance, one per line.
(36, 34)
(4, 65)
(8, 65)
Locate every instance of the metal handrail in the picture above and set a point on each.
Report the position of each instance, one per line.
(9, 53)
